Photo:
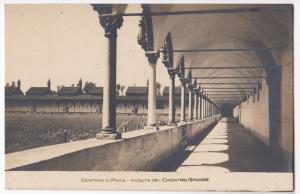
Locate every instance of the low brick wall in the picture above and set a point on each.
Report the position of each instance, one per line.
(139, 150)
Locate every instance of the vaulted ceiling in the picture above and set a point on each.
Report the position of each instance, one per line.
(271, 28)
(263, 30)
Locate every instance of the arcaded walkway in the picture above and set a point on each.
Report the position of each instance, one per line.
(228, 147)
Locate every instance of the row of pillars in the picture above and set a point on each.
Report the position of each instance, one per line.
(199, 107)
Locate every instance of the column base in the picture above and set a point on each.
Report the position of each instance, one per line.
(183, 122)
(108, 136)
(170, 123)
(151, 126)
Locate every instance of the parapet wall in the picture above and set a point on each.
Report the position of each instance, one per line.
(139, 150)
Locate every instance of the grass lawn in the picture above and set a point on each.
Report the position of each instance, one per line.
(26, 131)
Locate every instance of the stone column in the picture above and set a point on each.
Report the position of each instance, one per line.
(208, 108)
(182, 111)
(110, 24)
(190, 103)
(200, 106)
(211, 108)
(215, 110)
(195, 104)
(171, 97)
(152, 59)
(205, 108)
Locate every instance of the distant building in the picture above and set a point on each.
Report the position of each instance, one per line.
(177, 91)
(70, 91)
(40, 91)
(137, 91)
(74, 100)
(95, 91)
(14, 90)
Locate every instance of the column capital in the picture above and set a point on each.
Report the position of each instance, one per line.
(172, 73)
(191, 86)
(152, 56)
(183, 83)
(109, 21)
(195, 91)
(110, 24)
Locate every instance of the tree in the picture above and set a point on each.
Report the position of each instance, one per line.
(122, 89)
(80, 83)
(19, 83)
(13, 84)
(88, 86)
(158, 87)
(118, 88)
(59, 87)
(49, 83)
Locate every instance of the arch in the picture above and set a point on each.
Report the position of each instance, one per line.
(167, 51)
(145, 36)
(189, 77)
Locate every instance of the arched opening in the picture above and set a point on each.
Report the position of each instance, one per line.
(227, 110)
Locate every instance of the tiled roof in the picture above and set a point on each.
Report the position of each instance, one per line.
(39, 91)
(95, 91)
(137, 91)
(13, 91)
(177, 91)
(70, 91)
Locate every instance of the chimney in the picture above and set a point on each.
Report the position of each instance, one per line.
(19, 84)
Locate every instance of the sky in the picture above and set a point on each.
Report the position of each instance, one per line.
(65, 42)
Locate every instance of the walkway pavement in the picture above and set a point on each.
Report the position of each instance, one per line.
(227, 147)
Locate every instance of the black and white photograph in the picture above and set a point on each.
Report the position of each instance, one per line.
(149, 96)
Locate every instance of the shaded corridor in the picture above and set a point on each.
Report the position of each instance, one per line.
(227, 147)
